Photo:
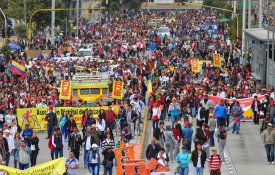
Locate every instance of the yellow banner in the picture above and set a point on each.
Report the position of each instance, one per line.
(195, 66)
(53, 167)
(117, 90)
(150, 89)
(217, 60)
(65, 90)
(35, 117)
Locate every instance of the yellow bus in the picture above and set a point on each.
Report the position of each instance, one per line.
(92, 88)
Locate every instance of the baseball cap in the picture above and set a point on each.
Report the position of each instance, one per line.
(269, 124)
(183, 147)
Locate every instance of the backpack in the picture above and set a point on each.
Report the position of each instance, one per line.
(211, 158)
(200, 134)
(222, 134)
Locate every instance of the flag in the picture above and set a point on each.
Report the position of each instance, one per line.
(17, 68)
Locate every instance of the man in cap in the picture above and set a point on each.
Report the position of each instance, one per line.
(268, 138)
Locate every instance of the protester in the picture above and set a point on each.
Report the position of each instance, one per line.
(152, 149)
(256, 104)
(212, 127)
(51, 121)
(207, 105)
(108, 159)
(71, 164)
(93, 160)
(214, 163)
(88, 140)
(108, 142)
(75, 142)
(162, 157)
(62, 123)
(183, 160)
(221, 113)
(159, 134)
(10, 142)
(34, 146)
(9, 117)
(27, 133)
(23, 156)
(268, 138)
(58, 143)
(156, 113)
(221, 137)
(174, 110)
(198, 158)
(170, 142)
(187, 133)
(17, 142)
(14, 128)
(4, 146)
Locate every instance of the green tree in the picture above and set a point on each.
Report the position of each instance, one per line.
(134, 4)
(114, 6)
(21, 30)
(6, 51)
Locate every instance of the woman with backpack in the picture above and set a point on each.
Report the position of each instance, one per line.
(62, 121)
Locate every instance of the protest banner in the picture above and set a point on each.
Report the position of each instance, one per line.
(155, 166)
(123, 154)
(53, 167)
(245, 103)
(217, 60)
(65, 90)
(35, 117)
(136, 168)
(195, 66)
(117, 90)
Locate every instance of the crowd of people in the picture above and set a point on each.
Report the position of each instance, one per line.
(178, 94)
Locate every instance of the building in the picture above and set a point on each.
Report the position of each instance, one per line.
(263, 62)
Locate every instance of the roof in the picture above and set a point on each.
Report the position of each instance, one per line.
(258, 33)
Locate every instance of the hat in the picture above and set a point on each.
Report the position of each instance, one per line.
(7, 131)
(88, 132)
(10, 110)
(94, 145)
(184, 147)
(187, 123)
(269, 124)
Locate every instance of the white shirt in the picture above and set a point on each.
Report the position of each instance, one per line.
(88, 143)
(199, 161)
(9, 118)
(156, 111)
(10, 142)
(101, 126)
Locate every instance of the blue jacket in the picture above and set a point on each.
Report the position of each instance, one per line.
(183, 159)
(220, 111)
(187, 132)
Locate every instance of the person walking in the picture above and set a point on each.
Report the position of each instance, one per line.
(93, 159)
(214, 163)
(268, 138)
(71, 164)
(110, 117)
(207, 105)
(187, 133)
(75, 142)
(108, 142)
(198, 158)
(34, 141)
(183, 160)
(52, 122)
(199, 136)
(108, 160)
(170, 142)
(156, 113)
(61, 122)
(88, 140)
(17, 141)
(4, 146)
(10, 142)
(255, 106)
(58, 143)
(174, 110)
(159, 134)
(212, 127)
(23, 156)
(162, 157)
(221, 113)
(221, 138)
(152, 149)
(200, 114)
(70, 124)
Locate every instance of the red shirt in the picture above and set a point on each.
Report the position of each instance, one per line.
(215, 162)
(177, 134)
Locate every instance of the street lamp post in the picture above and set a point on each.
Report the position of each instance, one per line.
(53, 21)
(5, 25)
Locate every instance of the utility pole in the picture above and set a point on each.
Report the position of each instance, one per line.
(147, 5)
(260, 13)
(77, 17)
(244, 24)
(249, 13)
(53, 22)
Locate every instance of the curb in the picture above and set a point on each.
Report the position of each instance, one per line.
(142, 138)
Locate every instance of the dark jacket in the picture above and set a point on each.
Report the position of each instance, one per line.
(70, 125)
(75, 141)
(152, 152)
(157, 133)
(85, 139)
(253, 106)
(195, 156)
(5, 145)
(51, 118)
(35, 141)
(108, 156)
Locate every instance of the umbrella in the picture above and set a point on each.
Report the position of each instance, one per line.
(14, 46)
(224, 20)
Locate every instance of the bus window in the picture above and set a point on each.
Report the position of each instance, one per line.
(75, 92)
(84, 91)
(104, 91)
(95, 91)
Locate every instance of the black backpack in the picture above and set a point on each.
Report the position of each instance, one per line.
(200, 134)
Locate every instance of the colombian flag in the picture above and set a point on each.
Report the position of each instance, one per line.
(17, 68)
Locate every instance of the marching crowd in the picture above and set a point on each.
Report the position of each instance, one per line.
(178, 94)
